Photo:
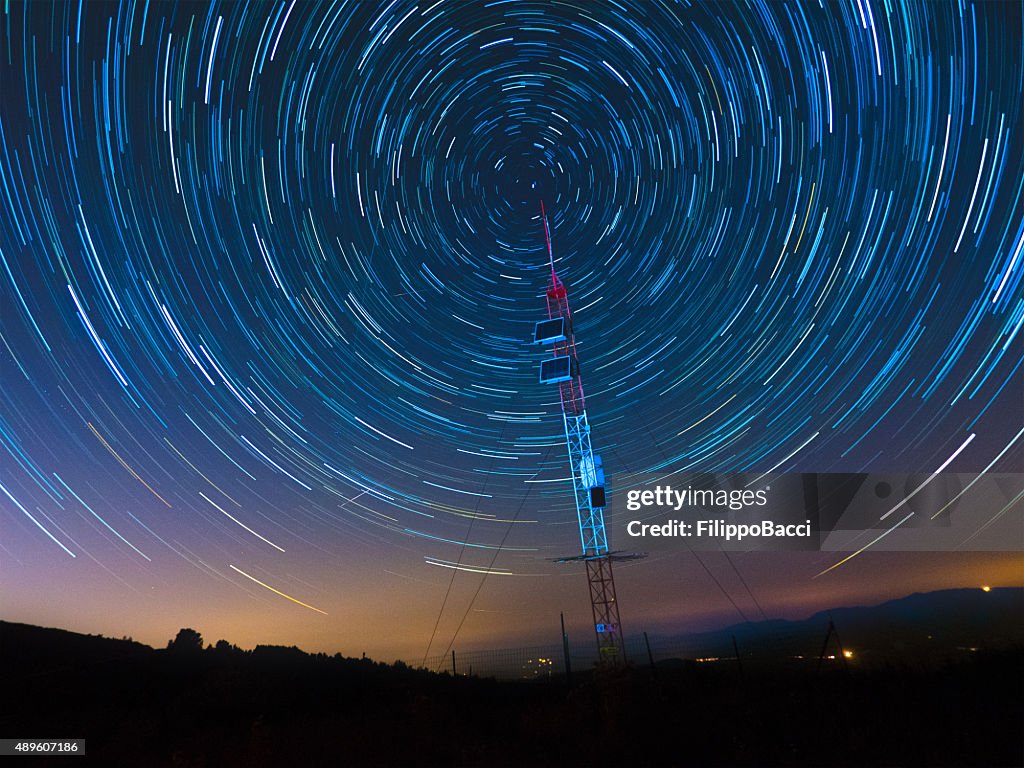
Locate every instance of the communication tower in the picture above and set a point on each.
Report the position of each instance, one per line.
(562, 368)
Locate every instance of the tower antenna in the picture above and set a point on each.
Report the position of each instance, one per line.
(547, 239)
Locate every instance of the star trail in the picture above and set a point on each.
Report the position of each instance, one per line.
(270, 271)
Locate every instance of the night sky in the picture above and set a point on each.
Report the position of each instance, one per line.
(269, 271)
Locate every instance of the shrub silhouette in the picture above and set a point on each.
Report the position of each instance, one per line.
(187, 641)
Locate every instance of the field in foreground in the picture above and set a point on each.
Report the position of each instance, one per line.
(279, 706)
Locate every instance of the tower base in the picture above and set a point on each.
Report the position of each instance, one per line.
(610, 649)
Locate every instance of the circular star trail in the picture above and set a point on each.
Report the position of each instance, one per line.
(269, 271)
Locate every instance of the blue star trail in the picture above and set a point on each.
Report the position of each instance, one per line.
(268, 271)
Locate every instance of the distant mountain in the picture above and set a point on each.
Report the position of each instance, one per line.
(922, 625)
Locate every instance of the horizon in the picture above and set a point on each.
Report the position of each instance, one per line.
(578, 642)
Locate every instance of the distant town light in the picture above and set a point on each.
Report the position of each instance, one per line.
(847, 654)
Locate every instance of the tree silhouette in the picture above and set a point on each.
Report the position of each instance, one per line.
(187, 641)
